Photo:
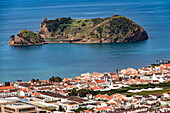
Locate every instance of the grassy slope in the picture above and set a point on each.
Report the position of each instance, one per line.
(30, 35)
(148, 92)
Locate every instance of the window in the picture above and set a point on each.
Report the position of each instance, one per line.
(27, 109)
(9, 109)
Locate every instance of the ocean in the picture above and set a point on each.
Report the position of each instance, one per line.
(70, 60)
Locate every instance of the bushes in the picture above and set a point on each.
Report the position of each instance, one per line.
(33, 80)
(49, 108)
(81, 92)
(53, 25)
(79, 110)
(30, 36)
(97, 21)
(42, 112)
(61, 108)
(55, 79)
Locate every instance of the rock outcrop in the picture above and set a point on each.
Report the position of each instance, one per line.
(26, 37)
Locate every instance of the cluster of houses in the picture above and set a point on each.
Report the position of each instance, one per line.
(42, 95)
(152, 103)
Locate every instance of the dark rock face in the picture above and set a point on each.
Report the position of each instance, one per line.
(138, 35)
(12, 37)
(43, 22)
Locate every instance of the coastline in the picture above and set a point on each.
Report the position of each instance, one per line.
(12, 44)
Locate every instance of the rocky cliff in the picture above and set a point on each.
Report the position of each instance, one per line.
(97, 30)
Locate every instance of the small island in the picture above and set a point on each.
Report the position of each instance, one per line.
(26, 37)
(96, 30)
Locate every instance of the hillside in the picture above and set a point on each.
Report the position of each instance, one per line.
(97, 30)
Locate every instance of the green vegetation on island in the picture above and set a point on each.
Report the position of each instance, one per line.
(26, 37)
(30, 36)
(115, 27)
(96, 30)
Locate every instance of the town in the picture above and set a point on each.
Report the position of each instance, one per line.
(143, 90)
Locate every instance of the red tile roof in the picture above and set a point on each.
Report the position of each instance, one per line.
(35, 94)
(167, 65)
(98, 95)
(7, 87)
(103, 108)
(104, 96)
(96, 87)
(100, 81)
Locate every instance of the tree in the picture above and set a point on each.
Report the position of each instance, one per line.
(83, 24)
(80, 109)
(81, 92)
(117, 71)
(61, 108)
(120, 78)
(33, 80)
(55, 79)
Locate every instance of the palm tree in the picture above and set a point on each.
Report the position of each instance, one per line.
(117, 71)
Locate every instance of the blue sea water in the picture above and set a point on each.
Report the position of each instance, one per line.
(70, 60)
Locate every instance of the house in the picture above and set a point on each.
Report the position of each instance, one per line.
(101, 82)
(18, 107)
(97, 96)
(89, 96)
(155, 95)
(151, 101)
(103, 109)
(68, 106)
(166, 94)
(50, 96)
(144, 70)
(140, 109)
(155, 82)
(5, 101)
(22, 85)
(43, 86)
(25, 93)
(103, 97)
(96, 88)
(165, 101)
(8, 91)
(35, 94)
